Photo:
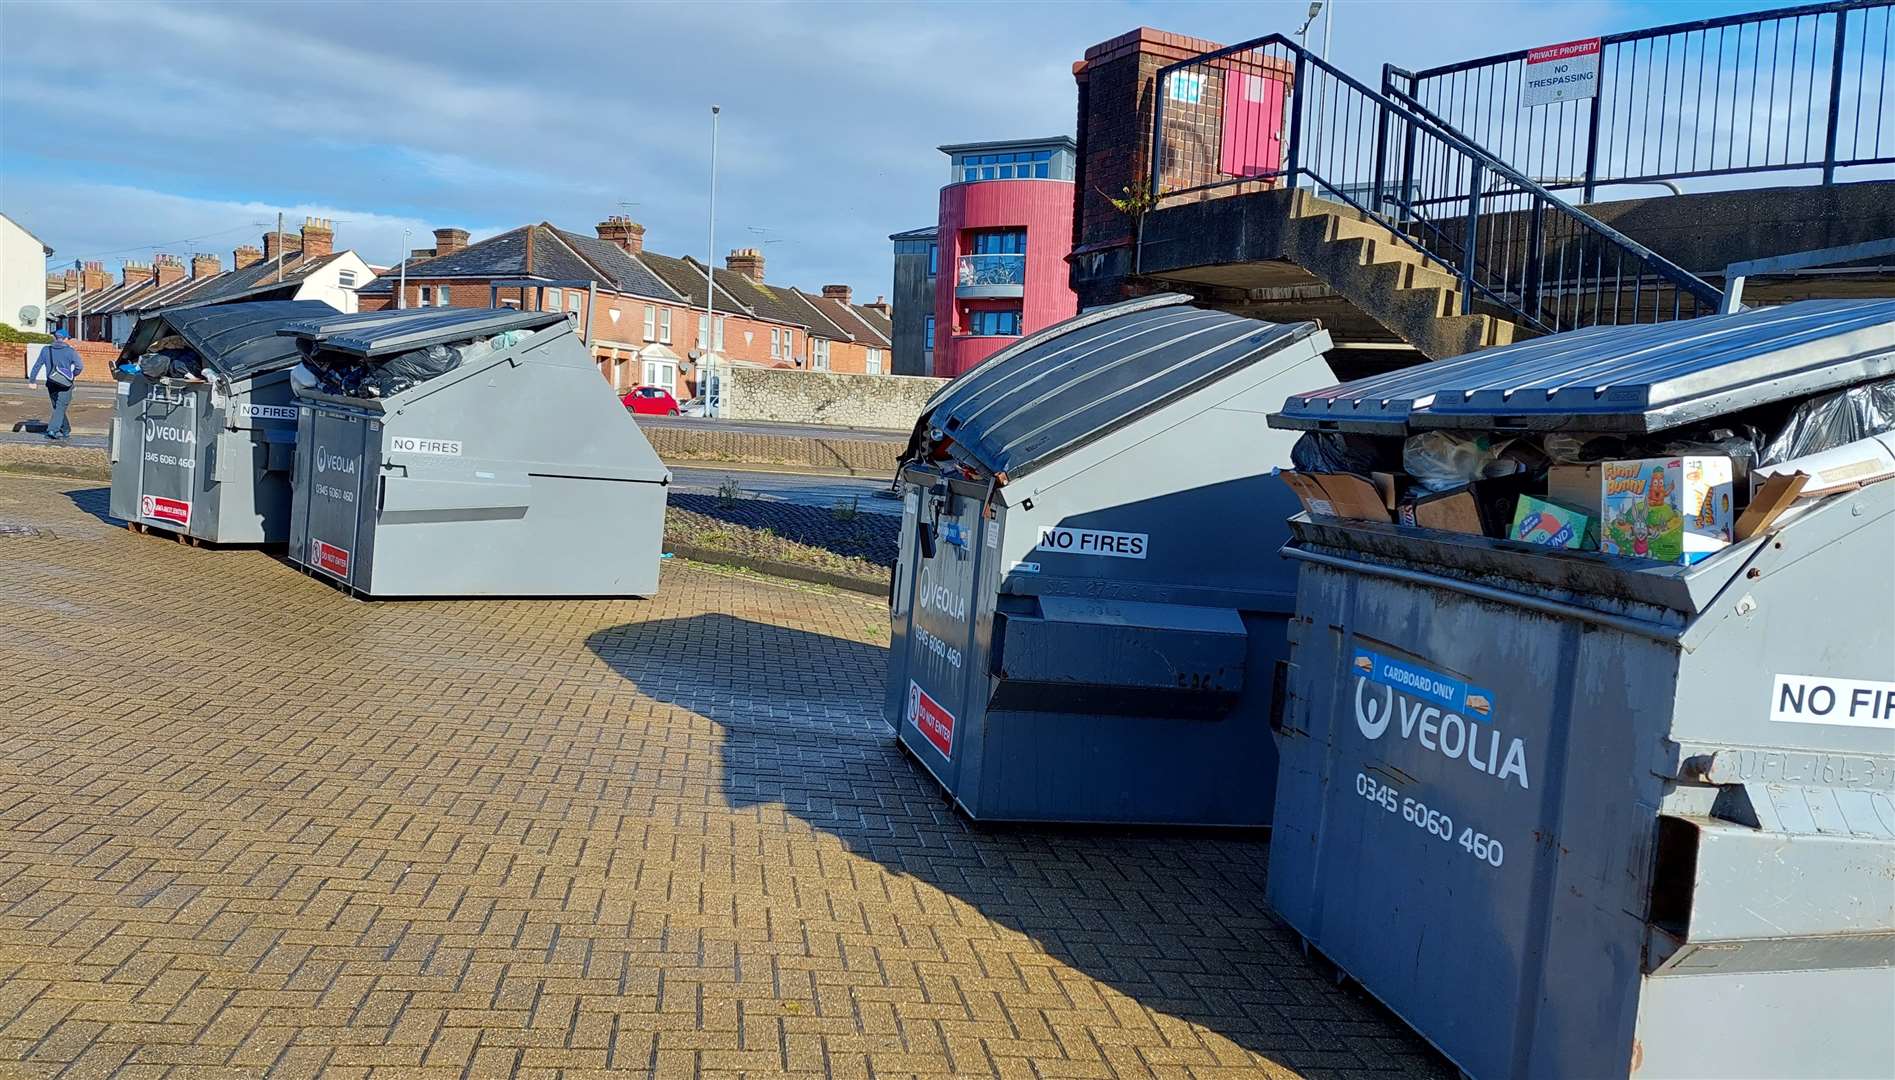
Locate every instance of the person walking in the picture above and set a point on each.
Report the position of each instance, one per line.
(62, 365)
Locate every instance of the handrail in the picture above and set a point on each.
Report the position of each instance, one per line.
(1548, 265)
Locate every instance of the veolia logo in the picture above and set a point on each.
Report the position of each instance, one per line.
(326, 461)
(1372, 716)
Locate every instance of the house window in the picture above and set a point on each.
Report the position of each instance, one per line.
(818, 354)
(664, 325)
(776, 342)
(651, 323)
(421, 296)
(934, 259)
(552, 300)
(789, 344)
(1000, 242)
(1017, 165)
(440, 296)
(572, 301)
(661, 373)
(874, 362)
(717, 335)
(995, 323)
(927, 333)
(345, 278)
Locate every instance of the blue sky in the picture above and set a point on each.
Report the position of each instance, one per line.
(180, 127)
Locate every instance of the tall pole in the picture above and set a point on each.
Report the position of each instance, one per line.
(710, 280)
(279, 245)
(79, 305)
(401, 296)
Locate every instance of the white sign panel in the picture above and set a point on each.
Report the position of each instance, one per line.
(268, 412)
(1821, 699)
(1118, 545)
(410, 444)
(1566, 72)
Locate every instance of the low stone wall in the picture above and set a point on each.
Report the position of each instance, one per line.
(867, 457)
(16, 359)
(820, 397)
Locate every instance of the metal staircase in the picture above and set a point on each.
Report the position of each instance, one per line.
(1444, 243)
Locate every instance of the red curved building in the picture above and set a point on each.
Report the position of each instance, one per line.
(1005, 229)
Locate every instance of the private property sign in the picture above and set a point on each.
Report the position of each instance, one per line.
(1566, 72)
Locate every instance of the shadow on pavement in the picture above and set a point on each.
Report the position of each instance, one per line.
(96, 501)
(1176, 921)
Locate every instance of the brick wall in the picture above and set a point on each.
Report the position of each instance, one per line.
(863, 456)
(813, 397)
(16, 359)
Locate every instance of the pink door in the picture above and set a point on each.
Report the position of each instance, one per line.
(1253, 125)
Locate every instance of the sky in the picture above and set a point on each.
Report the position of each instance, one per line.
(128, 128)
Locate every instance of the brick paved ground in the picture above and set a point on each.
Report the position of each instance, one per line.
(252, 828)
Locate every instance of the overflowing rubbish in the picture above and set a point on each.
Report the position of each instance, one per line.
(1088, 609)
(468, 452)
(204, 429)
(1616, 726)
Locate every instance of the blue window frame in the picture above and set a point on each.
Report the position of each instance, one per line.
(1019, 165)
(1000, 242)
(995, 323)
(934, 259)
(928, 334)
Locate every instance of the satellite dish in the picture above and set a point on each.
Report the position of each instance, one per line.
(29, 317)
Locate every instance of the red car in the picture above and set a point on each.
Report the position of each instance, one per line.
(651, 401)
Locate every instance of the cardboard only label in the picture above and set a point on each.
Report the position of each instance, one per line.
(1822, 699)
(935, 723)
(330, 559)
(159, 508)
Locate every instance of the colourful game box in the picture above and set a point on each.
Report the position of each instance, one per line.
(1537, 521)
(1674, 510)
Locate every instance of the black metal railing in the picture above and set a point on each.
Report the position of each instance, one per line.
(1270, 114)
(1804, 87)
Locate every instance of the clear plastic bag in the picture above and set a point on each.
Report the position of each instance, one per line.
(1836, 419)
(1439, 460)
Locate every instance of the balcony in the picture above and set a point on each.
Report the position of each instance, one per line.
(990, 277)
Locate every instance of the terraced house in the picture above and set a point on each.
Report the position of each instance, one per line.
(643, 311)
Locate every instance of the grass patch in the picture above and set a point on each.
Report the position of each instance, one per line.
(699, 530)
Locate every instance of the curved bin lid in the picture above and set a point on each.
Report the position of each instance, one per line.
(235, 340)
(1091, 375)
(1620, 379)
(377, 333)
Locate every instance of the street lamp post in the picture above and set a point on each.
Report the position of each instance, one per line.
(401, 294)
(710, 280)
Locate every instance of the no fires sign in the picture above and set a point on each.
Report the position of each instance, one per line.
(1565, 72)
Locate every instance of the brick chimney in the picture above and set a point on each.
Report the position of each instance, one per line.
(245, 255)
(449, 241)
(204, 265)
(746, 261)
(837, 292)
(96, 279)
(881, 307)
(623, 231)
(319, 237)
(170, 270)
(421, 253)
(291, 242)
(132, 273)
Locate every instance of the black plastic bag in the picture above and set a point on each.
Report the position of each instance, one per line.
(1835, 419)
(1334, 452)
(171, 363)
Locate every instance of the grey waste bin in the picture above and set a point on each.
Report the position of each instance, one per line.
(1573, 815)
(1088, 599)
(516, 473)
(210, 458)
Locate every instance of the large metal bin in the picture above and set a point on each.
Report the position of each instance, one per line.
(1572, 815)
(210, 458)
(517, 473)
(1088, 600)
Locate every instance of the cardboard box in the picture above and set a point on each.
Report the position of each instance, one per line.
(1577, 486)
(1482, 508)
(1340, 495)
(1540, 521)
(1777, 495)
(1674, 510)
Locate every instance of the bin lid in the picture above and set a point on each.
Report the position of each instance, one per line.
(1623, 379)
(235, 340)
(376, 333)
(1092, 375)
